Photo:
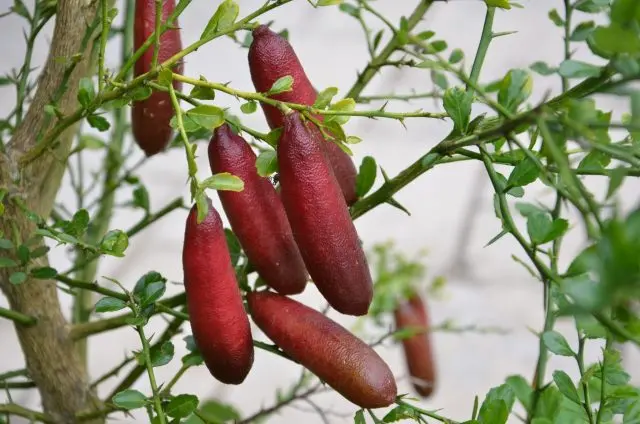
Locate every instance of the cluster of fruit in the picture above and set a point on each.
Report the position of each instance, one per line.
(302, 231)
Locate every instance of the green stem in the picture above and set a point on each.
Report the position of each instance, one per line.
(19, 411)
(483, 46)
(174, 380)
(15, 373)
(26, 66)
(146, 351)
(372, 67)
(17, 317)
(585, 386)
(157, 34)
(103, 42)
(427, 413)
(568, 12)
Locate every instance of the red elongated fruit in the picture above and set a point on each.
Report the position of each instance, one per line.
(327, 349)
(271, 57)
(150, 117)
(218, 320)
(412, 313)
(320, 220)
(256, 215)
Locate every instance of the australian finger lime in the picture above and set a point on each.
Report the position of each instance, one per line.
(320, 220)
(256, 215)
(218, 320)
(412, 313)
(271, 57)
(150, 117)
(324, 347)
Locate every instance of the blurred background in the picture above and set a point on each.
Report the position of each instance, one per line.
(451, 207)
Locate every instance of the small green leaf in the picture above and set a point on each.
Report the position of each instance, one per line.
(344, 105)
(114, 243)
(556, 343)
(150, 287)
(614, 39)
(521, 389)
(202, 93)
(249, 107)
(6, 244)
(207, 116)
(358, 418)
(162, 355)
(141, 93)
(17, 278)
(524, 173)
(565, 385)
(202, 205)
(129, 399)
(577, 69)
(503, 4)
(273, 137)
(165, 77)
(182, 406)
(110, 304)
(223, 181)
(456, 56)
(582, 31)
(98, 122)
(79, 223)
(325, 96)
(515, 89)
(192, 359)
(91, 142)
(43, 273)
(7, 263)
(141, 198)
(542, 68)
(223, 19)
(235, 251)
(457, 103)
(216, 412)
(282, 85)
(555, 18)
(86, 92)
(366, 176)
(401, 412)
(267, 163)
(538, 226)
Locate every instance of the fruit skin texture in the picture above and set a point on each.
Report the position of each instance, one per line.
(218, 320)
(320, 220)
(150, 117)
(271, 57)
(417, 348)
(324, 347)
(256, 215)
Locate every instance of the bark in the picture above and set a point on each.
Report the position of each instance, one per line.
(49, 352)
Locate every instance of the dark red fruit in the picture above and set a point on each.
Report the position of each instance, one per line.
(320, 220)
(256, 215)
(150, 117)
(327, 349)
(218, 320)
(412, 313)
(271, 57)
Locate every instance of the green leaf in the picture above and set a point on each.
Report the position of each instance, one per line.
(23, 254)
(457, 103)
(141, 198)
(358, 418)
(6, 244)
(493, 412)
(249, 107)
(162, 355)
(223, 19)
(182, 406)
(235, 249)
(202, 206)
(20, 9)
(114, 243)
(440, 80)
(216, 412)
(366, 176)
(223, 181)
(401, 412)
(555, 18)
(503, 4)
(344, 105)
(542, 68)
(538, 226)
(324, 97)
(110, 304)
(582, 31)
(491, 405)
(18, 277)
(524, 173)
(556, 343)
(565, 385)
(456, 56)
(79, 223)
(273, 137)
(150, 287)
(203, 93)
(98, 122)
(522, 390)
(43, 273)
(329, 2)
(129, 399)
(192, 359)
(611, 40)
(350, 10)
(141, 93)
(86, 92)
(91, 142)
(515, 89)
(282, 85)
(7, 263)
(267, 163)
(577, 69)
(207, 116)
(616, 178)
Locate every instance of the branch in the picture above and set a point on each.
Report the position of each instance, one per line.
(50, 356)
